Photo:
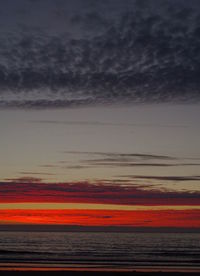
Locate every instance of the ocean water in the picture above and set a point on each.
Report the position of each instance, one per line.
(100, 249)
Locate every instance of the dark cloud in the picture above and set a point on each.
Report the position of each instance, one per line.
(27, 179)
(117, 155)
(77, 167)
(48, 166)
(165, 178)
(107, 53)
(103, 163)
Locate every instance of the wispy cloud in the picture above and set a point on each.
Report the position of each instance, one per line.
(114, 159)
(123, 155)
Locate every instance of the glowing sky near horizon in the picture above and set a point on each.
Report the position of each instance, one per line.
(139, 158)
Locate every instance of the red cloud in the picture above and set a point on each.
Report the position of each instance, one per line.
(84, 192)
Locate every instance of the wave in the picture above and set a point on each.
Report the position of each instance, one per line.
(21, 252)
(112, 255)
(102, 249)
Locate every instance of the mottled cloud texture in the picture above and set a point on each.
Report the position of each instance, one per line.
(98, 53)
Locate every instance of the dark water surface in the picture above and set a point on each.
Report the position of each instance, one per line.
(100, 249)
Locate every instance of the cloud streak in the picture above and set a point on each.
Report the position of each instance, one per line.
(106, 159)
(118, 154)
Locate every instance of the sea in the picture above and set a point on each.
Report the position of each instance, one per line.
(99, 249)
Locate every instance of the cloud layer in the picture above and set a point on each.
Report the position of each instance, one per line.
(141, 53)
(33, 190)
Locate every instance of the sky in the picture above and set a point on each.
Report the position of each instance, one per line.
(99, 113)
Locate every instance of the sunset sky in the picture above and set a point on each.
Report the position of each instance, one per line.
(99, 113)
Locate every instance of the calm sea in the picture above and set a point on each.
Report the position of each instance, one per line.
(100, 249)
